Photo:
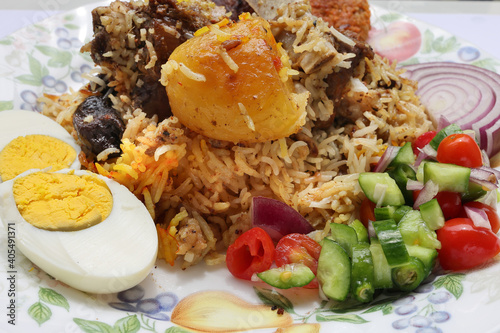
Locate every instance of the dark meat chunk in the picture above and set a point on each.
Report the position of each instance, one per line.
(236, 7)
(134, 51)
(98, 125)
(338, 82)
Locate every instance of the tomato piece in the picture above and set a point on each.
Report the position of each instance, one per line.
(422, 141)
(366, 211)
(299, 248)
(490, 212)
(450, 203)
(464, 246)
(460, 149)
(252, 252)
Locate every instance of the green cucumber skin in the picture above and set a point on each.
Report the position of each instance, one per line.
(409, 276)
(334, 270)
(362, 275)
(344, 235)
(400, 212)
(381, 268)
(391, 241)
(404, 156)
(427, 256)
(301, 275)
(384, 213)
(393, 196)
(474, 192)
(432, 214)
(415, 231)
(361, 231)
(401, 174)
(448, 130)
(449, 177)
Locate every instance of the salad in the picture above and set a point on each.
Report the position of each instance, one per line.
(429, 204)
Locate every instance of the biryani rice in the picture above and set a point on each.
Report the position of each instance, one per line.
(173, 169)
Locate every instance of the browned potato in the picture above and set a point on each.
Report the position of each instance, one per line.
(231, 82)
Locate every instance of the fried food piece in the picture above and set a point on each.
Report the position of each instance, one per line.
(232, 83)
(351, 17)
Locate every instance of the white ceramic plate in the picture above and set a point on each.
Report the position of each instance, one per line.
(45, 58)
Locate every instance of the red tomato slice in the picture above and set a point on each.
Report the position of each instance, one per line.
(299, 248)
(464, 246)
(252, 252)
(366, 211)
(460, 149)
(490, 212)
(422, 141)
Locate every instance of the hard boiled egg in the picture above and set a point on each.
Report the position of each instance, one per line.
(29, 140)
(83, 229)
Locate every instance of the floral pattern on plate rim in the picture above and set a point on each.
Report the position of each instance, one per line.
(45, 58)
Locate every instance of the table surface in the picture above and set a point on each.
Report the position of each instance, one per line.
(473, 21)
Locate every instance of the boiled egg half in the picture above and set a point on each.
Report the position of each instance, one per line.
(81, 228)
(30, 140)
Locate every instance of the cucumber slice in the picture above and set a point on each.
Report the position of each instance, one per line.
(400, 212)
(381, 269)
(391, 212)
(448, 130)
(407, 277)
(360, 230)
(381, 188)
(449, 177)
(420, 171)
(401, 174)
(391, 241)
(404, 156)
(334, 270)
(362, 275)
(432, 214)
(287, 276)
(415, 231)
(427, 256)
(344, 235)
(384, 213)
(474, 192)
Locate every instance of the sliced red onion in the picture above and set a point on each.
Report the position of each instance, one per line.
(386, 158)
(371, 230)
(414, 185)
(442, 123)
(426, 153)
(486, 177)
(494, 171)
(277, 218)
(489, 199)
(478, 217)
(379, 192)
(463, 94)
(485, 173)
(486, 159)
(429, 191)
(484, 183)
(421, 156)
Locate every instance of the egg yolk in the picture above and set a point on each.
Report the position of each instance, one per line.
(34, 152)
(62, 202)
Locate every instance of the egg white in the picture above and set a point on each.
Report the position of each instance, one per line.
(16, 123)
(109, 257)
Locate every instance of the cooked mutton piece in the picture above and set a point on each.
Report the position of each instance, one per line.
(133, 39)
